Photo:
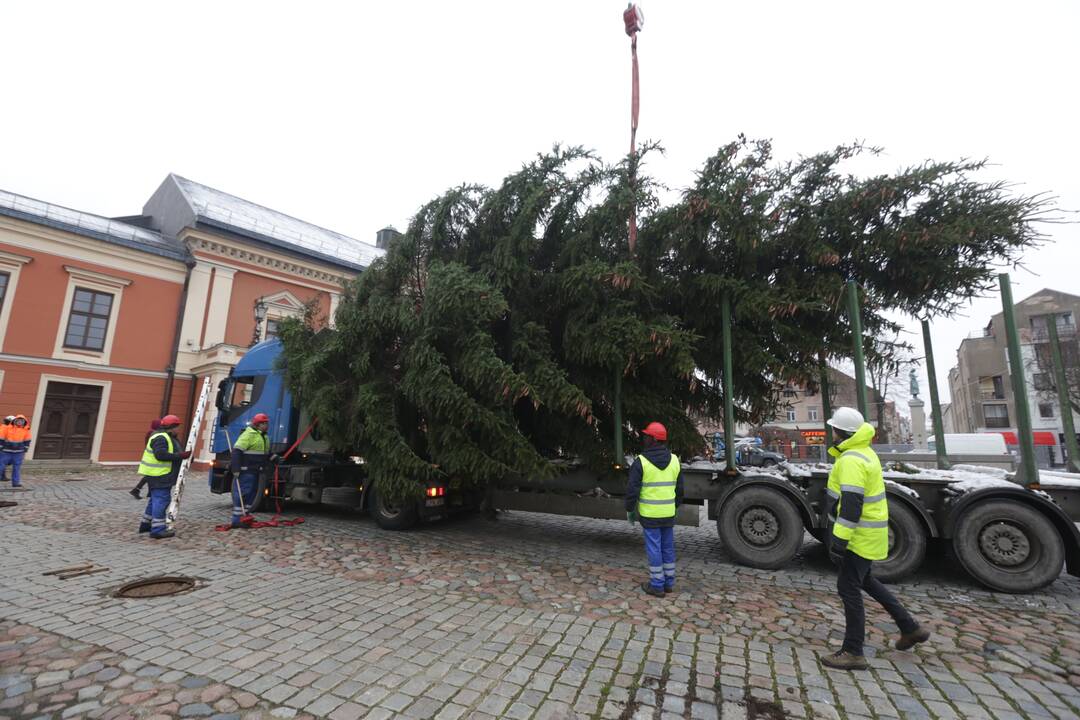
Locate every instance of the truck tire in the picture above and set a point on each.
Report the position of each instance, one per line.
(1008, 546)
(907, 545)
(760, 527)
(389, 516)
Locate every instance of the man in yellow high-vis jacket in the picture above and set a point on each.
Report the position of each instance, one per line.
(859, 510)
(160, 465)
(654, 492)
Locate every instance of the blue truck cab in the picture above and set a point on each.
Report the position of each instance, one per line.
(313, 473)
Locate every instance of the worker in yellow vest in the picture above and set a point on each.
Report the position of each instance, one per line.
(859, 510)
(160, 466)
(654, 492)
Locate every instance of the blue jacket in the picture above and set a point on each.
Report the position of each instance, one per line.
(659, 456)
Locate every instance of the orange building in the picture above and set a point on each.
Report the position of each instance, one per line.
(106, 323)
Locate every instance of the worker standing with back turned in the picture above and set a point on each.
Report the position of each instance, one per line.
(654, 492)
(249, 456)
(860, 535)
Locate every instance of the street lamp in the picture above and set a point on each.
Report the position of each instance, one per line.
(260, 315)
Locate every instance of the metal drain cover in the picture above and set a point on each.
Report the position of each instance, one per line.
(8, 503)
(156, 587)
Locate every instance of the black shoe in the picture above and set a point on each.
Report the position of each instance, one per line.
(650, 590)
(135, 493)
(909, 640)
(845, 661)
(669, 590)
(163, 534)
(144, 529)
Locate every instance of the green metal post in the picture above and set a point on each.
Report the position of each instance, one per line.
(857, 341)
(1063, 395)
(729, 401)
(1020, 398)
(935, 403)
(620, 456)
(826, 405)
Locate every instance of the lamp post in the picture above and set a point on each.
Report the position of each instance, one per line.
(260, 315)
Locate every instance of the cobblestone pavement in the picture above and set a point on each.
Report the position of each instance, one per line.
(527, 616)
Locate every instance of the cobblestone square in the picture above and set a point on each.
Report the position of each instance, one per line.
(524, 616)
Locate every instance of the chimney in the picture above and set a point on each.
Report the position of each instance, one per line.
(384, 237)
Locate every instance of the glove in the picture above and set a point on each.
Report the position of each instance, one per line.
(631, 516)
(275, 458)
(185, 455)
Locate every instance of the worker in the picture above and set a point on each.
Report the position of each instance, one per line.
(654, 492)
(160, 466)
(249, 454)
(859, 511)
(13, 447)
(155, 425)
(3, 429)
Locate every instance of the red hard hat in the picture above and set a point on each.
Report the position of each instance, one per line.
(656, 431)
(170, 421)
(260, 418)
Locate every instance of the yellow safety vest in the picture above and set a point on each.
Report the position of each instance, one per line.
(858, 470)
(657, 497)
(150, 466)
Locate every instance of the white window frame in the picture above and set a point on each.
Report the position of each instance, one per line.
(791, 416)
(812, 413)
(99, 282)
(11, 264)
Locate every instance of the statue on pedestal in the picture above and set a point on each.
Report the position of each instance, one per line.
(914, 383)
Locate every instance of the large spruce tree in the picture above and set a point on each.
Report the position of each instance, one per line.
(488, 340)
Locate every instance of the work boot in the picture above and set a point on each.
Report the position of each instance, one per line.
(144, 528)
(845, 661)
(135, 493)
(650, 590)
(163, 534)
(668, 589)
(909, 640)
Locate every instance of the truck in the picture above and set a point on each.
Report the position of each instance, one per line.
(1007, 536)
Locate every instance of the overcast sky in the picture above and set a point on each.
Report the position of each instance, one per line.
(351, 118)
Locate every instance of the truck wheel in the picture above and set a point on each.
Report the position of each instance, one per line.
(390, 516)
(907, 545)
(1008, 546)
(760, 527)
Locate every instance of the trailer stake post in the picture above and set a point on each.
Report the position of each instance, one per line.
(729, 401)
(826, 405)
(1063, 395)
(857, 344)
(1020, 399)
(935, 402)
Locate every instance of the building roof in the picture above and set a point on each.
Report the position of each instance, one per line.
(221, 210)
(90, 225)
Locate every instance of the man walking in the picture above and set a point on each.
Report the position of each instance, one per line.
(160, 466)
(13, 447)
(860, 514)
(249, 455)
(3, 432)
(653, 494)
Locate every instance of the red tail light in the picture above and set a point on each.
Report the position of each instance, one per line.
(436, 492)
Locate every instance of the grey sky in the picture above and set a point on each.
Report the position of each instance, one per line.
(352, 116)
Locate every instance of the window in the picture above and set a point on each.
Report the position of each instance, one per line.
(1041, 381)
(271, 329)
(791, 415)
(4, 277)
(1046, 410)
(812, 413)
(810, 391)
(997, 416)
(789, 392)
(88, 320)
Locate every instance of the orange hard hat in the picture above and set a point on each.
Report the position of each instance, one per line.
(170, 421)
(260, 418)
(656, 431)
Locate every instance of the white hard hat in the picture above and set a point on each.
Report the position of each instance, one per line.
(848, 419)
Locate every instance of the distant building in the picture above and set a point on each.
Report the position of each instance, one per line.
(980, 386)
(106, 323)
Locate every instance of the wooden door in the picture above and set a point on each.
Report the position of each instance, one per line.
(69, 417)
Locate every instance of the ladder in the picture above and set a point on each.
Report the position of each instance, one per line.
(193, 435)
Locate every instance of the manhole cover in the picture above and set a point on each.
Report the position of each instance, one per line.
(8, 503)
(156, 587)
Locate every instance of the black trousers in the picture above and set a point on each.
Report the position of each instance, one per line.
(854, 578)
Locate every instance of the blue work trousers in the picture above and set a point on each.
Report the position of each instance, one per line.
(14, 459)
(660, 548)
(153, 519)
(245, 485)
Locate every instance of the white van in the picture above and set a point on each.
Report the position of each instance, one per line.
(973, 444)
